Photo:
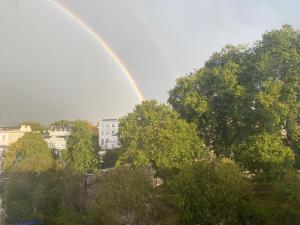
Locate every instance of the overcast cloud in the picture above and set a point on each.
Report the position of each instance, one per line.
(51, 69)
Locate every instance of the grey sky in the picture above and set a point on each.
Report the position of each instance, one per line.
(51, 69)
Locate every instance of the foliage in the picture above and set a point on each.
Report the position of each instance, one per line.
(265, 155)
(29, 153)
(287, 192)
(126, 196)
(154, 133)
(54, 197)
(245, 91)
(110, 158)
(277, 202)
(35, 126)
(212, 193)
(81, 154)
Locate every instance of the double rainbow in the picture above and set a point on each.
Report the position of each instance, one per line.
(68, 12)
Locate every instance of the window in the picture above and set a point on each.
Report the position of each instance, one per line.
(113, 125)
(102, 141)
(113, 132)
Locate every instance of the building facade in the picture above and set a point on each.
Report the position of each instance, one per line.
(9, 135)
(57, 136)
(108, 133)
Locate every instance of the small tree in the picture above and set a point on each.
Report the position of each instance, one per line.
(81, 154)
(110, 158)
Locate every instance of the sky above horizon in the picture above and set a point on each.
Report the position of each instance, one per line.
(52, 69)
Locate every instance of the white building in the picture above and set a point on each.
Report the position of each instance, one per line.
(108, 133)
(56, 137)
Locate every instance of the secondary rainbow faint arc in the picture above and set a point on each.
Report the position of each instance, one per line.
(105, 46)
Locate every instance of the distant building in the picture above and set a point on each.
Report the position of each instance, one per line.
(9, 135)
(56, 137)
(108, 133)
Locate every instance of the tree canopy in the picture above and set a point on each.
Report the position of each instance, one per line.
(29, 153)
(154, 134)
(244, 91)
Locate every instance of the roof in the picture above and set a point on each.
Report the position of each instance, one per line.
(9, 128)
(64, 126)
(109, 120)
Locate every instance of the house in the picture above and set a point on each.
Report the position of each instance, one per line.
(56, 137)
(9, 135)
(108, 133)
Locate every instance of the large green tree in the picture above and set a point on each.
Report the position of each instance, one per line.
(154, 134)
(244, 91)
(29, 154)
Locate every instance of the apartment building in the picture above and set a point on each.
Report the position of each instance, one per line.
(108, 133)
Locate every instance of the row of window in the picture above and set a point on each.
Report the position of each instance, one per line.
(106, 142)
(107, 133)
(3, 138)
(13, 138)
(61, 129)
(108, 125)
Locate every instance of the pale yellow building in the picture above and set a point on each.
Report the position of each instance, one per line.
(10, 135)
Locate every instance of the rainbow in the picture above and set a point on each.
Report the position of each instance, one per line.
(103, 43)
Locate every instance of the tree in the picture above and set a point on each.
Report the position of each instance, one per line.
(265, 155)
(126, 196)
(55, 197)
(212, 193)
(245, 91)
(29, 154)
(81, 154)
(154, 134)
(92, 129)
(110, 158)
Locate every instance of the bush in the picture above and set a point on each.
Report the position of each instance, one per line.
(127, 196)
(279, 203)
(212, 193)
